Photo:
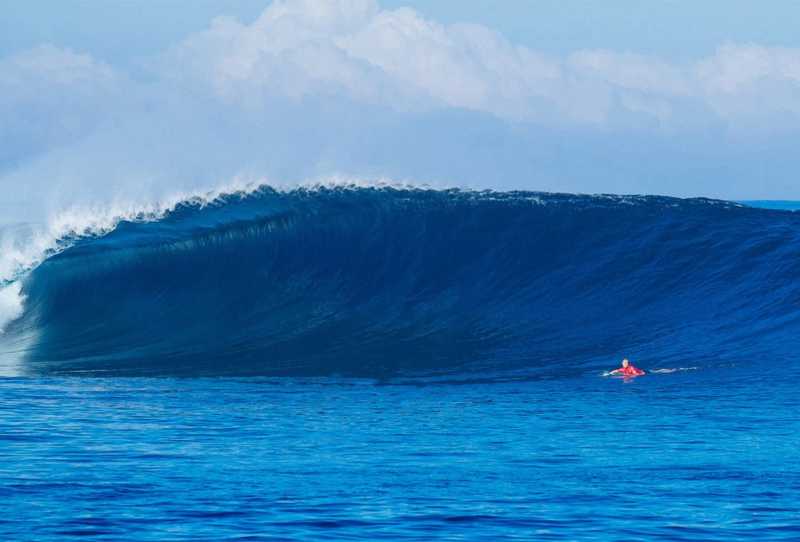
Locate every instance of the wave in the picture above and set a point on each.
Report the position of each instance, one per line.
(385, 281)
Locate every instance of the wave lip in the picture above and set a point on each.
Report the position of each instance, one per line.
(386, 281)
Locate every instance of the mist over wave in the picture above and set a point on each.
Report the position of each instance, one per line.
(384, 281)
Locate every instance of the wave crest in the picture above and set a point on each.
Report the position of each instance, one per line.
(384, 281)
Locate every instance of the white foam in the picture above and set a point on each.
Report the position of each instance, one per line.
(26, 246)
(23, 247)
(11, 303)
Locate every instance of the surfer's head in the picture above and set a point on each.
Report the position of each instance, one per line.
(625, 362)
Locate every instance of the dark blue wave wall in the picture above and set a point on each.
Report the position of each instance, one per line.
(379, 282)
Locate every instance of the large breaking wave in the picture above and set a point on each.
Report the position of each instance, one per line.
(381, 282)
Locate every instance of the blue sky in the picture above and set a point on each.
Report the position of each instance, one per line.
(134, 99)
(672, 28)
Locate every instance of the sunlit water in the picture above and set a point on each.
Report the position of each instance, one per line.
(709, 454)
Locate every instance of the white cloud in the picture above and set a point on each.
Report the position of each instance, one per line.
(378, 56)
(289, 50)
(397, 58)
(737, 68)
(400, 59)
(50, 96)
(752, 86)
(54, 66)
(315, 87)
(631, 72)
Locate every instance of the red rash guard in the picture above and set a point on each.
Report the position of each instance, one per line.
(630, 370)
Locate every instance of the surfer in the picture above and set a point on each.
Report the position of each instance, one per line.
(627, 369)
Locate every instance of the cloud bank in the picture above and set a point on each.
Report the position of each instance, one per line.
(314, 88)
(397, 58)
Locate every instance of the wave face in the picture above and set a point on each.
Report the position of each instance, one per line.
(380, 282)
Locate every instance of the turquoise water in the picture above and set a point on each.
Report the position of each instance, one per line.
(707, 454)
(785, 205)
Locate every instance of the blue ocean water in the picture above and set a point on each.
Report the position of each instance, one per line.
(362, 364)
(710, 454)
(785, 205)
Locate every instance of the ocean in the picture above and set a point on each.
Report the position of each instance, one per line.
(350, 363)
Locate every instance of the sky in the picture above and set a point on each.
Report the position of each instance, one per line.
(129, 101)
(113, 30)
